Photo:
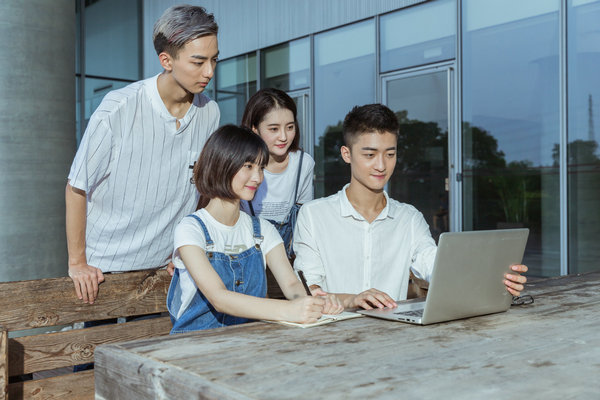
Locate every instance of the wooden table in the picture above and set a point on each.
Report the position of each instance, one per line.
(549, 349)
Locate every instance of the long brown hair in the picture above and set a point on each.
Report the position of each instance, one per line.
(263, 102)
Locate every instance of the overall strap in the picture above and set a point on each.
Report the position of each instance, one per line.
(209, 242)
(298, 177)
(251, 208)
(258, 238)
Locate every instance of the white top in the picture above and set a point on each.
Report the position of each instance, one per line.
(275, 195)
(340, 251)
(135, 168)
(227, 239)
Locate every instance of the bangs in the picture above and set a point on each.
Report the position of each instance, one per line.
(254, 149)
(224, 154)
(262, 158)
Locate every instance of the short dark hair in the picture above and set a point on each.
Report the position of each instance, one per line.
(179, 25)
(369, 118)
(223, 155)
(263, 102)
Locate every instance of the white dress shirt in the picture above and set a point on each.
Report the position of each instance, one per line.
(340, 251)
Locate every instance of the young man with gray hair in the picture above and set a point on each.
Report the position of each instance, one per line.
(129, 184)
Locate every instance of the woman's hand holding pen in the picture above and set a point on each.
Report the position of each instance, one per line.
(305, 310)
(333, 304)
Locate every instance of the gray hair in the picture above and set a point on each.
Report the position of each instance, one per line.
(179, 25)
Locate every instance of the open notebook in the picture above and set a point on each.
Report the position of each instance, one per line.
(325, 319)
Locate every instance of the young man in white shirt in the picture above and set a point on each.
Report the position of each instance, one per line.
(359, 243)
(129, 184)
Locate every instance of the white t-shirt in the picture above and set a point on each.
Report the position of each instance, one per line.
(340, 251)
(227, 239)
(275, 195)
(135, 167)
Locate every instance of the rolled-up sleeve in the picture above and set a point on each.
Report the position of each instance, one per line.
(423, 249)
(308, 258)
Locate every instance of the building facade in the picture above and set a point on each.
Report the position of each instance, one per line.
(498, 100)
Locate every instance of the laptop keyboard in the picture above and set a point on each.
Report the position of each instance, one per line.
(412, 313)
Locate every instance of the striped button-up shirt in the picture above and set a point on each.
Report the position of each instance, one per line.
(135, 166)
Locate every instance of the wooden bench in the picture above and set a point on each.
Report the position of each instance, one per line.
(52, 302)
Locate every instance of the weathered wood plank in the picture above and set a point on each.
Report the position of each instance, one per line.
(549, 349)
(3, 363)
(78, 386)
(60, 349)
(166, 383)
(50, 302)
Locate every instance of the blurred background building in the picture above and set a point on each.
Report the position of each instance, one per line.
(498, 100)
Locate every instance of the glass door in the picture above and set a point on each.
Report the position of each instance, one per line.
(421, 100)
(302, 100)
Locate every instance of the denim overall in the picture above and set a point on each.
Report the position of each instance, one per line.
(241, 273)
(286, 227)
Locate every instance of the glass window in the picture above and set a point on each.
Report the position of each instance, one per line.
(287, 66)
(109, 32)
(78, 132)
(302, 100)
(420, 102)
(112, 41)
(344, 77)
(583, 155)
(511, 123)
(209, 90)
(236, 82)
(418, 35)
(77, 36)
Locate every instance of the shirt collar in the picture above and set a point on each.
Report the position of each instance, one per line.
(347, 210)
(152, 90)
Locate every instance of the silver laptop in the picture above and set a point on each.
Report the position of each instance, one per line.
(467, 278)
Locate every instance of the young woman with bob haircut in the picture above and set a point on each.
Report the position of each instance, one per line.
(221, 253)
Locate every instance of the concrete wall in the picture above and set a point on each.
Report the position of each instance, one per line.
(247, 25)
(37, 135)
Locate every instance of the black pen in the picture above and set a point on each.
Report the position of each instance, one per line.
(303, 280)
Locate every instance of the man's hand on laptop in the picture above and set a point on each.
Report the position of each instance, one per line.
(514, 282)
(372, 298)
